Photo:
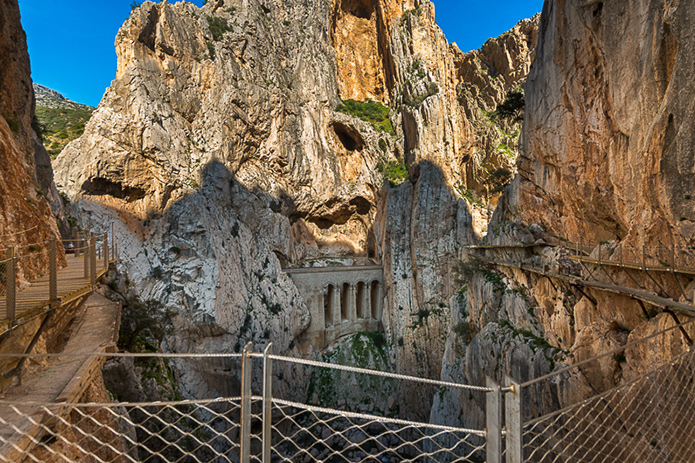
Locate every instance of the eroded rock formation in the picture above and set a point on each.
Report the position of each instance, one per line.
(605, 155)
(219, 155)
(26, 178)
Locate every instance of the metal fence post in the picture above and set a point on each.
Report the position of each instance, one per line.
(93, 260)
(52, 271)
(246, 373)
(515, 443)
(493, 423)
(10, 286)
(267, 402)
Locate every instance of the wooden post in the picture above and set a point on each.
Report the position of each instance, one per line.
(113, 241)
(53, 272)
(673, 257)
(85, 249)
(106, 251)
(10, 285)
(93, 260)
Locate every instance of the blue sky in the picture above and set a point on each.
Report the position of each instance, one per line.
(71, 42)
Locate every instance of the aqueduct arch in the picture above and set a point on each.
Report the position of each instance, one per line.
(341, 300)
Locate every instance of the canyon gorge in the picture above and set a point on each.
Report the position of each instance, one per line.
(249, 137)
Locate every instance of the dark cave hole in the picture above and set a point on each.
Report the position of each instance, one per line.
(349, 137)
(101, 186)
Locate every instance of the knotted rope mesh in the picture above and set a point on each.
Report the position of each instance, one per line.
(185, 431)
(312, 434)
(649, 419)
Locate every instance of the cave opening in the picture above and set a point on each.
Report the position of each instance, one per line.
(99, 186)
(349, 137)
(360, 8)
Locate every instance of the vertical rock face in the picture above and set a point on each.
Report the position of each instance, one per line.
(219, 155)
(605, 155)
(26, 178)
(607, 149)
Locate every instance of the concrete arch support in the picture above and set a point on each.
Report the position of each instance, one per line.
(341, 300)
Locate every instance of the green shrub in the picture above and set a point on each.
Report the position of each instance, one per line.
(498, 180)
(414, 101)
(14, 125)
(218, 26)
(468, 195)
(466, 330)
(512, 108)
(143, 324)
(464, 270)
(395, 172)
(211, 50)
(382, 145)
(370, 111)
(432, 88)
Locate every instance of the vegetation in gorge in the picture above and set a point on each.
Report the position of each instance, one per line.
(369, 111)
(218, 27)
(60, 126)
(395, 172)
(363, 350)
(511, 109)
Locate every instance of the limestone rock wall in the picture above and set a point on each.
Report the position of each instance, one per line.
(605, 155)
(27, 192)
(606, 143)
(219, 156)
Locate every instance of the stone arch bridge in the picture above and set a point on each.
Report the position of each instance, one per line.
(341, 300)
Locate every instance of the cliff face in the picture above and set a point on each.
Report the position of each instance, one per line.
(220, 156)
(605, 155)
(26, 178)
(606, 140)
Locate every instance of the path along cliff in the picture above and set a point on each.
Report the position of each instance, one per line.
(223, 151)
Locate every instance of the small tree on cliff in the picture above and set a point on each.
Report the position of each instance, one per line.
(512, 108)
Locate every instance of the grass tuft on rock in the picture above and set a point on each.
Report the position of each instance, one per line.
(370, 111)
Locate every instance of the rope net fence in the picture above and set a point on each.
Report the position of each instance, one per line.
(191, 431)
(260, 425)
(647, 417)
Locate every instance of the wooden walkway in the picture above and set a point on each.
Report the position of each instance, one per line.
(638, 294)
(584, 252)
(71, 285)
(635, 266)
(60, 380)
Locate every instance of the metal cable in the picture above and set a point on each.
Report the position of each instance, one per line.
(315, 363)
(123, 355)
(605, 354)
(381, 419)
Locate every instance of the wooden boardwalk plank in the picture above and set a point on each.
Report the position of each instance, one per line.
(70, 280)
(62, 379)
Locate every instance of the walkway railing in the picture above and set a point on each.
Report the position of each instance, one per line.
(87, 259)
(647, 417)
(654, 258)
(261, 424)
